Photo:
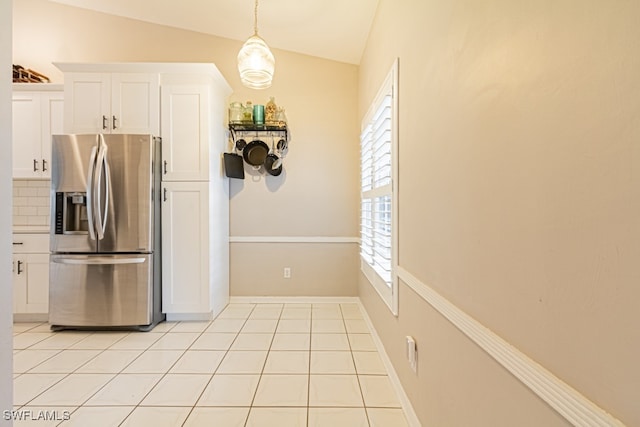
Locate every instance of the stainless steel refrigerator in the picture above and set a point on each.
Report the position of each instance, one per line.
(105, 234)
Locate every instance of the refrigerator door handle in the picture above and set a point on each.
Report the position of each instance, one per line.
(107, 191)
(90, 194)
(98, 261)
(101, 166)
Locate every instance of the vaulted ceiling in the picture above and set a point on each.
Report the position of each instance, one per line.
(332, 29)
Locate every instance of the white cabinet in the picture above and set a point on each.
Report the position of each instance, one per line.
(30, 273)
(195, 207)
(185, 141)
(36, 116)
(112, 103)
(188, 113)
(185, 252)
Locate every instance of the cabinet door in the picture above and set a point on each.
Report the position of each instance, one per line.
(135, 103)
(37, 291)
(19, 283)
(185, 132)
(185, 251)
(52, 114)
(87, 102)
(26, 135)
(31, 283)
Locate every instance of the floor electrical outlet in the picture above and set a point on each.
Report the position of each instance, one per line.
(287, 273)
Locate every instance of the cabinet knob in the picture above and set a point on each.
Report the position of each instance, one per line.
(114, 123)
(165, 195)
(35, 165)
(20, 267)
(165, 167)
(44, 165)
(105, 123)
(17, 243)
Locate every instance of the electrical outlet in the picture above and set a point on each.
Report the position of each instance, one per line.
(412, 353)
(287, 272)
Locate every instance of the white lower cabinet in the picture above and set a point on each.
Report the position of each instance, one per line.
(30, 274)
(185, 247)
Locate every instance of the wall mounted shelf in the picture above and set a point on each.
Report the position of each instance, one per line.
(258, 130)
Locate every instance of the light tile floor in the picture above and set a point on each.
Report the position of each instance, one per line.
(274, 365)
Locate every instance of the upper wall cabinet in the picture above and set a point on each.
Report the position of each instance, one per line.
(37, 114)
(185, 132)
(112, 103)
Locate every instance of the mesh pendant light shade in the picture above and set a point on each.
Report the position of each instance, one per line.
(256, 63)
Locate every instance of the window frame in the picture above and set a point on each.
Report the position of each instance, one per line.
(388, 291)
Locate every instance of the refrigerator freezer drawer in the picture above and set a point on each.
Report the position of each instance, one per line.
(101, 290)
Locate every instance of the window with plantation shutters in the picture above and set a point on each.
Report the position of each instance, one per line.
(378, 145)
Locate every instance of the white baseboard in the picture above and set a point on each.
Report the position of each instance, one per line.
(189, 317)
(30, 317)
(292, 300)
(412, 418)
(567, 401)
(292, 239)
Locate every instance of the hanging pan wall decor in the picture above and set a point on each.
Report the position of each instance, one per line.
(255, 153)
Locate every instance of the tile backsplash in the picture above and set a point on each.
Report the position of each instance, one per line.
(31, 202)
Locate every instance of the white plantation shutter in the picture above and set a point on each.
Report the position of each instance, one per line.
(377, 147)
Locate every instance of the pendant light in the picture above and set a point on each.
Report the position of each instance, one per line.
(255, 61)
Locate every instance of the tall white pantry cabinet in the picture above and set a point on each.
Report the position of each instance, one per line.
(185, 105)
(195, 208)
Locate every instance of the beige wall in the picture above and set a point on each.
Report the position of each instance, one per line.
(317, 194)
(519, 196)
(316, 269)
(458, 384)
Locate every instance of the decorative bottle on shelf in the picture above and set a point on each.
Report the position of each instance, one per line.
(248, 113)
(281, 117)
(236, 112)
(270, 111)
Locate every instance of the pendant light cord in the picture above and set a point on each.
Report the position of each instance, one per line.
(255, 20)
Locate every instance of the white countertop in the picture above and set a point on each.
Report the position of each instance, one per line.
(44, 229)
